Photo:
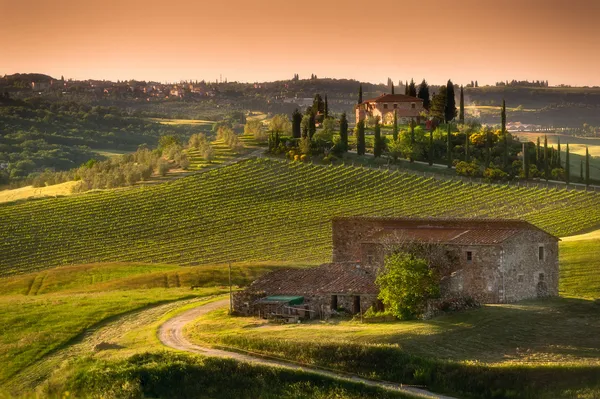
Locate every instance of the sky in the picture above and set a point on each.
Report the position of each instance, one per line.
(265, 40)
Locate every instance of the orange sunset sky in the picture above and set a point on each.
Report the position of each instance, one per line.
(260, 40)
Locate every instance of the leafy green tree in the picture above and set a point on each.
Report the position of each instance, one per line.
(412, 140)
(305, 124)
(167, 141)
(412, 89)
(312, 127)
(255, 128)
(344, 132)
(461, 114)
(525, 163)
(318, 105)
(395, 149)
(378, 144)
(450, 106)
(430, 152)
(406, 284)
(360, 138)
(567, 166)
(326, 108)
(296, 124)
(438, 105)
(280, 124)
(467, 146)
(424, 94)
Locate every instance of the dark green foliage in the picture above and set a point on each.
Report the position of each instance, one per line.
(312, 128)
(559, 161)
(392, 86)
(424, 94)
(504, 136)
(546, 162)
(525, 162)
(449, 147)
(360, 94)
(360, 138)
(587, 166)
(438, 105)
(467, 147)
(412, 89)
(406, 90)
(461, 114)
(567, 166)
(318, 105)
(581, 178)
(326, 108)
(488, 148)
(538, 154)
(296, 124)
(170, 375)
(344, 132)
(430, 152)
(450, 106)
(378, 144)
(395, 128)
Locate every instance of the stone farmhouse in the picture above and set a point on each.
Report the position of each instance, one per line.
(406, 108)
(492, 261)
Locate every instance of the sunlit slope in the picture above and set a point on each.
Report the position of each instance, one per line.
(258, 209)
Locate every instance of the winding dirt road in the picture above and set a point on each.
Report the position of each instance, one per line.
(171, 335)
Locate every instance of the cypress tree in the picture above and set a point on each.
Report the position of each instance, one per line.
(450, 107)
(378, 143)
(412, 140)
(546, 157)
(567, 166)
(449, 147)
(312, 129)
(326, 108)
(412, 89)
(395, 131)
(559, 160)
(525, 162)
(423, 94)
(296, 123)
(392, 84)
(504, 136)
(581, 179)
(461, 115)
(360, 99)
(538, 154)
(406, 88)
(430, 155)
(587, 166)
(360, 138)
(344, 132)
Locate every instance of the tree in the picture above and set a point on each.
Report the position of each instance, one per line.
(581, 179)
(406, 91)
(438, 105)
(450, 108)
(395, 131)
(326, 108)
(360, 94)
(546, 166)
(538, 153)
(424, 94)
(406, 284)
(461, 114)
(318, 105)
(305, 124)
(488, 146)
(344, 132)
(449, 147)
(567, 166)
(255, 128)
(280, 123)
(467, 146)
(360, 138)
(395, 149)
(504, 136)
(430, 154)
(296, 124)
(559, 160)
(378, 144)
(412, 141)
(312, 127)
(412, 89)
(392, 86)
(587, 166)
(525, 162)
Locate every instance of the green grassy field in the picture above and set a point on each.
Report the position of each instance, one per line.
(257, 210)
(44, 312)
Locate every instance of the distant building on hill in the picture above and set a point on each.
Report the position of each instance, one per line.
(406, 108)
(491, 261)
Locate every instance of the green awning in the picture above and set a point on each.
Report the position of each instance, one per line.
(290, 300)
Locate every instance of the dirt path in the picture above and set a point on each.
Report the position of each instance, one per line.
(171, 335)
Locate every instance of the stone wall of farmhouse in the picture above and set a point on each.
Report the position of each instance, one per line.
(347, 236)
(386, 115)
(525, 274)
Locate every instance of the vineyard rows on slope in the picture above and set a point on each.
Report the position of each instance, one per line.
(258, 209)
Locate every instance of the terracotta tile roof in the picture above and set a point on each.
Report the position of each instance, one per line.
(393, 98)
(330, 278)
(450, 231)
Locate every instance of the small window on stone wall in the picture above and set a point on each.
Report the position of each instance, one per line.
(520, 278)
(541, 276)
(469, 256)
(385, 106)
(541, 252)
(395, 106)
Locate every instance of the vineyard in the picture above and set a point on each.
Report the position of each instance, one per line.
(258, 209)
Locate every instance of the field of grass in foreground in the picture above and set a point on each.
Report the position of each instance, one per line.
(257, 210)
(42, 313)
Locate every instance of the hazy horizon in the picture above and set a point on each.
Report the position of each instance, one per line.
(269, 40)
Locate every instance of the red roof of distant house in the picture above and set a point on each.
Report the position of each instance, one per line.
(394, 98)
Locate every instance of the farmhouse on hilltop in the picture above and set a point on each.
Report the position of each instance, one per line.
(406, 108)
(492, 261)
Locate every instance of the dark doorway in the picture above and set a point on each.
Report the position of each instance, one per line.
(542, 289)
(334, 303)
(356, 305)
